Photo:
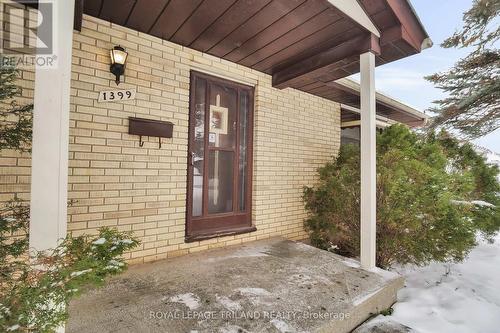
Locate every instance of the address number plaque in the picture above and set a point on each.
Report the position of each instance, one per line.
(116, 95)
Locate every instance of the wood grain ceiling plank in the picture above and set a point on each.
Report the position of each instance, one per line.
(92, 7)
(333, 73)
(406, 48)
(261, 20)
(310, 85)
(116, 11)
(352, 67)
(320, 90)
(342, 97)
(145, 13)
(390, 52)
(172, 17)
(330, 35)
(296, 35)
(206, 14)
(290, 21)
(231, 20)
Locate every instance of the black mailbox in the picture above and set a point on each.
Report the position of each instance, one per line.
(150, 127)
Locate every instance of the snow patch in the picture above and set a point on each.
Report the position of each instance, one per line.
(453, 298)
(78, 273)
(99, 241)
(482, 203)
(228, 303)
(245, 252)
(256, 296)
(254, 292)
(282, 326)
(190, 300)
(350, 262)
(386, 275)
(479, 203)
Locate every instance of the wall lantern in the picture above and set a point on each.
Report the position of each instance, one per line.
(118, 59)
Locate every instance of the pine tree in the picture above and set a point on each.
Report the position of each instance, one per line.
(473, 84)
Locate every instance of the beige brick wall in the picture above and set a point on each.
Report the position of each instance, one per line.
(116, 183)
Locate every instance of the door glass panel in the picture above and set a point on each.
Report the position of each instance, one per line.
(220, 182)
(242, 161)
(222, 116)
(197, 156)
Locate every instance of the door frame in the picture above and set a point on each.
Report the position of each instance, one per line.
(224, 224)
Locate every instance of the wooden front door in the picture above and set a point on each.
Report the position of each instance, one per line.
(219, 158)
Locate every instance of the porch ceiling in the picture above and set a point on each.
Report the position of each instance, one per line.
(303, 44)
(272, 35)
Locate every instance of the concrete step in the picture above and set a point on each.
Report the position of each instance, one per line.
(274, 285)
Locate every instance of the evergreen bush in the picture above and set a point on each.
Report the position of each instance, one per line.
(35, 286)
(434, 194)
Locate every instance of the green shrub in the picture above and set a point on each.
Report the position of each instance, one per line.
(429, 199)
(36, 287)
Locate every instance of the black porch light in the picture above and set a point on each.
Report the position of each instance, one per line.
(118, 59)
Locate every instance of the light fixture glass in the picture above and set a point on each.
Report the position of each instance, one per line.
(118, 58)
(118, 55)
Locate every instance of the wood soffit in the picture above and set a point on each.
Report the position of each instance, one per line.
(303, 44)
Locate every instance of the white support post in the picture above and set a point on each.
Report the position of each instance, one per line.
(368, 161)
(49, 171)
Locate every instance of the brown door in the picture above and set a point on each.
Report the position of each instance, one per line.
(219, 158)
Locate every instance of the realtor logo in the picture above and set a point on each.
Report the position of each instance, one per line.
(26, 29)
(27, 37)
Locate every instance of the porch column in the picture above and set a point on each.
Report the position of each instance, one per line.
(368, 161)
(49, 171)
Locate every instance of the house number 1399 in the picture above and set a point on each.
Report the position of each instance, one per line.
(116, 95)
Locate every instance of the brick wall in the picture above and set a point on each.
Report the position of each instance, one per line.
(116, 183)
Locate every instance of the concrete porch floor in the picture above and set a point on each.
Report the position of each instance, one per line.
(273, 285)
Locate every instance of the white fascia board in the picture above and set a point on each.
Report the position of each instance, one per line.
(353, 123)
(383, 98)
(353, 9)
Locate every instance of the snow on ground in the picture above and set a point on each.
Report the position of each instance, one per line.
(190, 300)
(453, 298)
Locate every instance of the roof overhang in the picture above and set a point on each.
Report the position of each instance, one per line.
(387, 107)
(304, 44)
